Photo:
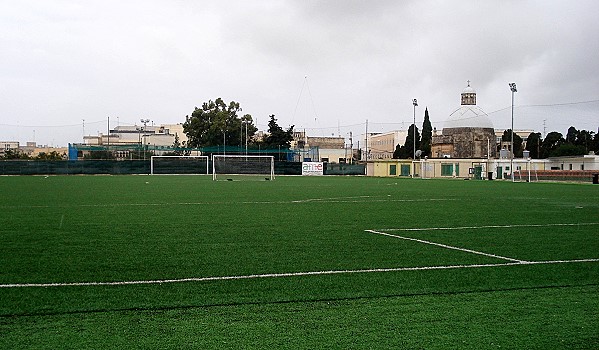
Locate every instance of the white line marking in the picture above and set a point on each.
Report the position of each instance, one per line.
(487, 226)
(386, 199)
(289, 274)
(328, 199)
(360, 199)
(446, 246)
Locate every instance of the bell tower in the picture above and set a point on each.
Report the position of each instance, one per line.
(468, 96)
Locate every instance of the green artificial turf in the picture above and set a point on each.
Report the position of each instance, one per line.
(71, 229)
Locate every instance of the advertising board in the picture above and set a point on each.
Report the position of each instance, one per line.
(312, 168)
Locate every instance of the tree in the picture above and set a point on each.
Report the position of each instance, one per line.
(568, 149)
(277, 137)
(533, 144)
(576, 144)
(50, 156)
(551, 142)
(15, 154)
(178, 148)
(585, 138)
(572, 135)
(217, 123)
(517, 146)
(427, 134)
(248, 130)
(407, 150)
(399, 152)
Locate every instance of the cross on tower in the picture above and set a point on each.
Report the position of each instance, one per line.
(468, 82)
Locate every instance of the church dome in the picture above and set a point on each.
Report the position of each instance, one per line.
(469, 116)
(468, 90)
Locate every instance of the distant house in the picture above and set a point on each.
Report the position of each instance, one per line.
(321, 148)
(8, 146)
(382, 145)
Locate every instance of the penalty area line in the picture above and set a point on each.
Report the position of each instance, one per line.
(290, 274)
(446, 246)
(488, 226)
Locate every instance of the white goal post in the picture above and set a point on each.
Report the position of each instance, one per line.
(243, 167)
(179, 165)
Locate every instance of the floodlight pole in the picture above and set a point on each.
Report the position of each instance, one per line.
(513, 89)
(145, 123)
(415, 103)
(245, 121)
(246, 137)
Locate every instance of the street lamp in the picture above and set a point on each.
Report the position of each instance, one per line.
(513, 89)
(415, 103)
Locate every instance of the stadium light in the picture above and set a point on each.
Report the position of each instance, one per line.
(513, 89)
(415, 103)
(245, 121)
(145, 123)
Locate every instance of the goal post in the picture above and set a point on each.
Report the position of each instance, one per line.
(241, 167)
(179, 165)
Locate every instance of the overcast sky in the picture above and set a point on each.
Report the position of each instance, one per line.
(326, 66)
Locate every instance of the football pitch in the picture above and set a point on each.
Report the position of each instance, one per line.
(297, 263)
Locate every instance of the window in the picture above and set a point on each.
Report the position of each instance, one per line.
(446, 169)
(392, 169)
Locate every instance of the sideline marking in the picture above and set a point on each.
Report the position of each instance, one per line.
(448, 246)
(289, 274)
(487, 226)
(360, 199)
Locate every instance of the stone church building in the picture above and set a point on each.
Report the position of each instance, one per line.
(467, 133)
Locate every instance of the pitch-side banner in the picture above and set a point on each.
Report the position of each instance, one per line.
(312, 168)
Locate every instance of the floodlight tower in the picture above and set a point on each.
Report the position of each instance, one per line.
(415, 103)
(145, 123)
(513, 89)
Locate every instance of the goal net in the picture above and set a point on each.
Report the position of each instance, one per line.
(237, 167)
(177, 165)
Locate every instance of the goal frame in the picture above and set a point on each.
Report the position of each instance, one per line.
(235, 156)
(202, 157)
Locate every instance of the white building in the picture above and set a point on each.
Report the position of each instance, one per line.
(8, 146)
(155, 136)
(382, 145)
